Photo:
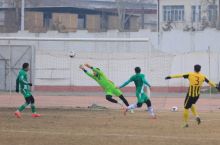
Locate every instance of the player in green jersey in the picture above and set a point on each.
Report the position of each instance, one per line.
(140, 82)
(108, 86)
(23, 85)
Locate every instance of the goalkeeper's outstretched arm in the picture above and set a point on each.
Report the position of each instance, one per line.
(86, 72)
(93, 68)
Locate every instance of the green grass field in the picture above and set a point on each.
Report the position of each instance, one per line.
(106, 127)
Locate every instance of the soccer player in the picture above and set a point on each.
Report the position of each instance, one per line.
(108, 86)
(23, 85)
(140, 82)
(196, 80)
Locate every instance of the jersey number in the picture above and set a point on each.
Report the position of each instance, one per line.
(197, 80)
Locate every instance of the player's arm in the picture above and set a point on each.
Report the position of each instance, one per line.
(93, 68)
(21, 79)
(17, 84)
(126, 83)
(177, 76)
(146, 82)
(212, 84)
(86, 72)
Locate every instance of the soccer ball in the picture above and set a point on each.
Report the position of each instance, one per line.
(72, 54)
(174, 109)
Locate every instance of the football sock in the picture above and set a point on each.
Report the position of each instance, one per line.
(109, 98)
(22, 107)
(194, 111)
(151, 111)
(124, 100)
(186, 115)
(33, 108)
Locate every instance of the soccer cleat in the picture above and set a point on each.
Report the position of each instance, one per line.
(35, 115)
(132, 111)
(198, 120)
(18, 114)
(185, 126)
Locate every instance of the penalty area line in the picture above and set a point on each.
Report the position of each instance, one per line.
(110, 135)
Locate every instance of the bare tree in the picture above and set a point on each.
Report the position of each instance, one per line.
(121, 14)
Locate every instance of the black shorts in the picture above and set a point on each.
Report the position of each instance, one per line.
(29, 100)
(190, 100)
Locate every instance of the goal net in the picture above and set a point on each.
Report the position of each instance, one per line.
(58, 81)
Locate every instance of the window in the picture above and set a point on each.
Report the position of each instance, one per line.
(81, 22)
(47, 19)
(173, 13)
(212, 12)
(2, 18)
(196, 13)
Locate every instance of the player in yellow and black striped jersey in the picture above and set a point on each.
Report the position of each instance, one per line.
(196, 80)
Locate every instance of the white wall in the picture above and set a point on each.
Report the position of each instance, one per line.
(173, 55)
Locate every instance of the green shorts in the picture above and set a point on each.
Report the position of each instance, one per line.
(26, 93)
(141, 97)
(113, 92)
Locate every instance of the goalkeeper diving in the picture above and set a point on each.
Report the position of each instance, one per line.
(108, 86)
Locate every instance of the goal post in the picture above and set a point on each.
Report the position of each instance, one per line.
(77, 39)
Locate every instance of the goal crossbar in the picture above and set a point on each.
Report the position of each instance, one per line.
(77, 39)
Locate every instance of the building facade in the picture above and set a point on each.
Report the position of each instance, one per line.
(188, 14)
(71, 15)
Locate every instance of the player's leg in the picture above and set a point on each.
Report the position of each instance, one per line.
(132, 107)
(33, 108)
(139, 102)
(187, 105)
(117, 92)
(150, 108)
(124, 100)
(110, 99)
(22, 107)
(136, 105)
(194, 110)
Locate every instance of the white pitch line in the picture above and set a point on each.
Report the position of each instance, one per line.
(110, 135)
(206, 120)
(35, 132)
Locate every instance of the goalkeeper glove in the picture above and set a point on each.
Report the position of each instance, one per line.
(30, 84)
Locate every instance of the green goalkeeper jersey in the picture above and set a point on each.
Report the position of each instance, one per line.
(22, 83)
(101, 79)
(107, 85)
